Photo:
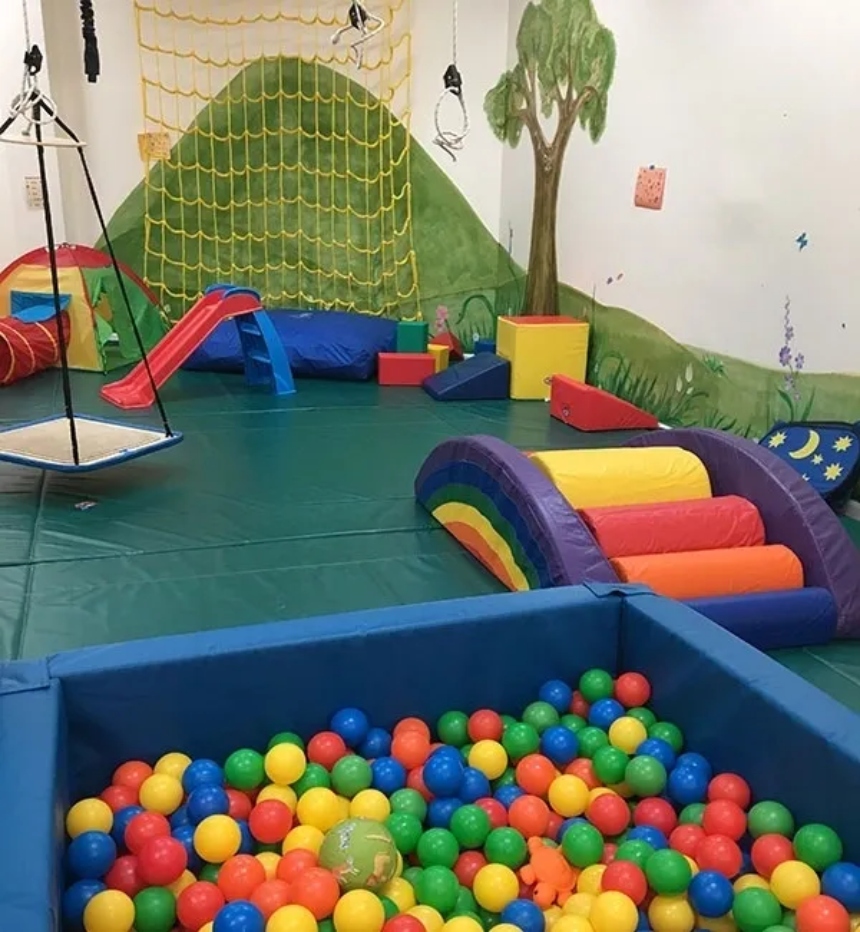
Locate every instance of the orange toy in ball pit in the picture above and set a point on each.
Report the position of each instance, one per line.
(550, 873)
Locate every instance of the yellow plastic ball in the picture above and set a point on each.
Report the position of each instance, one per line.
(209, 927)
(792, 882)
(671, 914)
(462, 924)
(694, 867)
(721, 924)
(429, 917)
(343, 809)
(306, 837)
(401, 893)
(589, 881)
(614, 912)
(505, 927)
(370, 804)
(551, 916)
(283, 794)
(186, 878)
(568, 795)
(746, 881)
(292, 918)
(579, 904)
(89, 815)
(172, 764)
(855, 921)
(319, 807)
(285, 763)
(489, 757)
(270, 862)
(627, 734)
(600, 791)
(495, 886)
(217, 838)
(109, 911)
(161, 793)
(572, 923)
(358, 911)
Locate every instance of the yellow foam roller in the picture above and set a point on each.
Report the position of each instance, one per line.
(625, 476)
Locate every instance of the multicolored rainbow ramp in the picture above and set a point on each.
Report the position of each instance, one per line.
(697, 515)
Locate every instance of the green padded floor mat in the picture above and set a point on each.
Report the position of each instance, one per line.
(271, 508)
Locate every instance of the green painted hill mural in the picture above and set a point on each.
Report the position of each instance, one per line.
(461, 267)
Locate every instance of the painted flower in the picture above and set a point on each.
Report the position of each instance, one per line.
(785, 356)
(799, 361)
(789, 333)
(688, 374)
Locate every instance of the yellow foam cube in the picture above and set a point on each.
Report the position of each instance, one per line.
(441, 354)
(539, 348)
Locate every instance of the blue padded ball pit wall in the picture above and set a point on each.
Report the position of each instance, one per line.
(67, 721)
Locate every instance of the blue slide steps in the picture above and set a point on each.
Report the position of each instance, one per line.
(483, 377)
(266, 362)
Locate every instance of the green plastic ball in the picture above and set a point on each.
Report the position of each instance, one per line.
(390, 907)
(508, 778)
(286, 737)
(411, 801)
(507, 721)
(465, 751)
(540, 715)
(438, 887)
(470, 825)
(779, 928)
(591, 740)
(350, 775)
(596, 684)
(755, 909)
(275, 847)
(466, 903)
(315, 775)
(413, 874)
(520, 740)
(209, 873)
(636, 851)
(770, 818)
(646, 776)
(610, 764)
(487, 919)
(817, 845)
(789, 920)
(692, 814)
(361, 853)
(244, 769)
(574, 723)
(645, 716)
(668, 872)
(437, 847)
(154, 910)
(506, 846)
(453, 729)
(325, 925)
(669, 733)
(582, 845)
(406, 830)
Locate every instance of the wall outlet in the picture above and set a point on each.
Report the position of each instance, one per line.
(33, 193)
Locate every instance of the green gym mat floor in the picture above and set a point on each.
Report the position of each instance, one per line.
(270, 509)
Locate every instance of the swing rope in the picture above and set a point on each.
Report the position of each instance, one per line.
(365, 23)
(452, 140)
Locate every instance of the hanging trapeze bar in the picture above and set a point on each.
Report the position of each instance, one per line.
(368, 25)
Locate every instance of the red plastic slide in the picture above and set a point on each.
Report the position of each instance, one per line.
(135, 390)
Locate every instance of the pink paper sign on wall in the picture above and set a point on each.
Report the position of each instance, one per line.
(650, 187)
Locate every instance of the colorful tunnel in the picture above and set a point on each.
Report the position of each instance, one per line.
(697, 515)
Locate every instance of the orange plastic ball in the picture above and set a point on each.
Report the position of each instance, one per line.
(131, 774)
(535, 773)
(294, 863)
(584, 769)
(240, 876)
(270, 896)
(822, 914)
(317, 890)
(529, 815)
(411, 724)
(410, 748)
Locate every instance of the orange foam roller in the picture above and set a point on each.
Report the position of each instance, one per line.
(672, 527)
(705, 573)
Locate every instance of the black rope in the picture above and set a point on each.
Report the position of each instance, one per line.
(92, 59)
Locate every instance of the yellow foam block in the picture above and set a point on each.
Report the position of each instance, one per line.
(594, 478)
(539, 348)
(441, 355)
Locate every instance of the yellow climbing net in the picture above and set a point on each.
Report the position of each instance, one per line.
(276, 161)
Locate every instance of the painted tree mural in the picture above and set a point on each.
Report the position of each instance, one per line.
(566, 61)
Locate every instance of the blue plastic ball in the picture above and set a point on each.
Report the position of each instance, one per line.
(842, 882)
(387, 775)
(659, 749)
(185, 834)
(239, 916)
(711, 894)
(557, 694)
(205, 801)
(180, 817)
(376, 744)
(120, 823)
(507, 794)
(475, 785)
(91, 855)
(695, 762)
(525, 915)
(202, 772)
(352, 725)
(559, 744)
(648, 833)
(440, 811)
(247, 845)
(443, 772)
(75, 901)
(574, 820)
(604, 712)
(687, 785)
(643, 925)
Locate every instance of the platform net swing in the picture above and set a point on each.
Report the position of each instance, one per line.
(69, 442)
(284, 153)
(451, 132)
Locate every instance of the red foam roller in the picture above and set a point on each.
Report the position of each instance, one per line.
(675, 527)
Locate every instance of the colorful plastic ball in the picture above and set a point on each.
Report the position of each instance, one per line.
(711, 894)
(650, 834)
(154, 910)
(91, 855)
(470, 826)
(411, 748)
(474, 786)
(792, 882)
(350, 775)
(582, 845)
(525, 915)
(439, 888)
(121, 821)
(691, 814)
(320, 808)
(591, 740)
(506, 795)
(463, 923)
(245, 769)
(656, 812)
(89, 815)
(161, 793)
(520, 739)
(119, 797)
(357, 911)
(668, 732)
(568, 795)
(242, 916)
(109, 911)
(495, 886)
(724, 817)
(732, 787)
(467, 866)
(173, 764)
(609, 813)
(415, 781)
(205, 801)
(506, 846)
(841, 881)
(453, 728)
(541, 716)
(817, 845)
(305, 837)
(535, 773)
(285, 763)
(659, 749)
(202, 772)
(720, 854)
(489, 757)
(768, 851)
(559, 744)
(131, 774)
(270, 896)
(686, 785)
(326, 748)
(440, 811)
(431, 919)
(686, 839)
(123, 876)
(403, 923)
(217, 838)
(668, 872)
(484, 725)
(770, 818)
(755, 909)
(361, 853)
(317, 890)
(377, 743)
(822, 914)
(632, 689)
(161, 861)
(610, 764)
(370, 804)
(613, 911)
(240, 876)
(529, 815)
(604, 712)
(596, 684)
(270, 821)
(590, 879)
(75, 899)
(285, 737)
(557, 694)
(387, 775)
(198, 904)
(406, 829)
(671, 914)
(351, 724)
(627, 878)
(443, 772)
(628, 734)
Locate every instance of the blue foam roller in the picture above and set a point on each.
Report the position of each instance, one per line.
(774, 620)
(483, 377)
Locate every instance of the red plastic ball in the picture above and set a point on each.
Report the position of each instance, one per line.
(270, 821)
(317, 890)
(403, 923)
(535, 773)
(495, 810)
(609, 814)
(326, 748)
(657, 812)
(526, 891)
(686, 839)
(529, 815)
(119, 797)
(627, 878)
(822, 914)
(411, 724)
(467, 865)
(583, 768)
(270, 896)
(123, 876)
(240, 876)
(769, 851)
(294, 863)
(578, 705)
(632, 690)
(724, 817)
(730, 786)
(198, 904)
(161, 861)
(485, 725)
(411, 748)
(240, 805)
(554, 825)
(609, 851)
(721, 854)
(415, 781)
(131, 774)
(143, 827)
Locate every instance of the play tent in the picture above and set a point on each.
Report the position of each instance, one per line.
(101, 336)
